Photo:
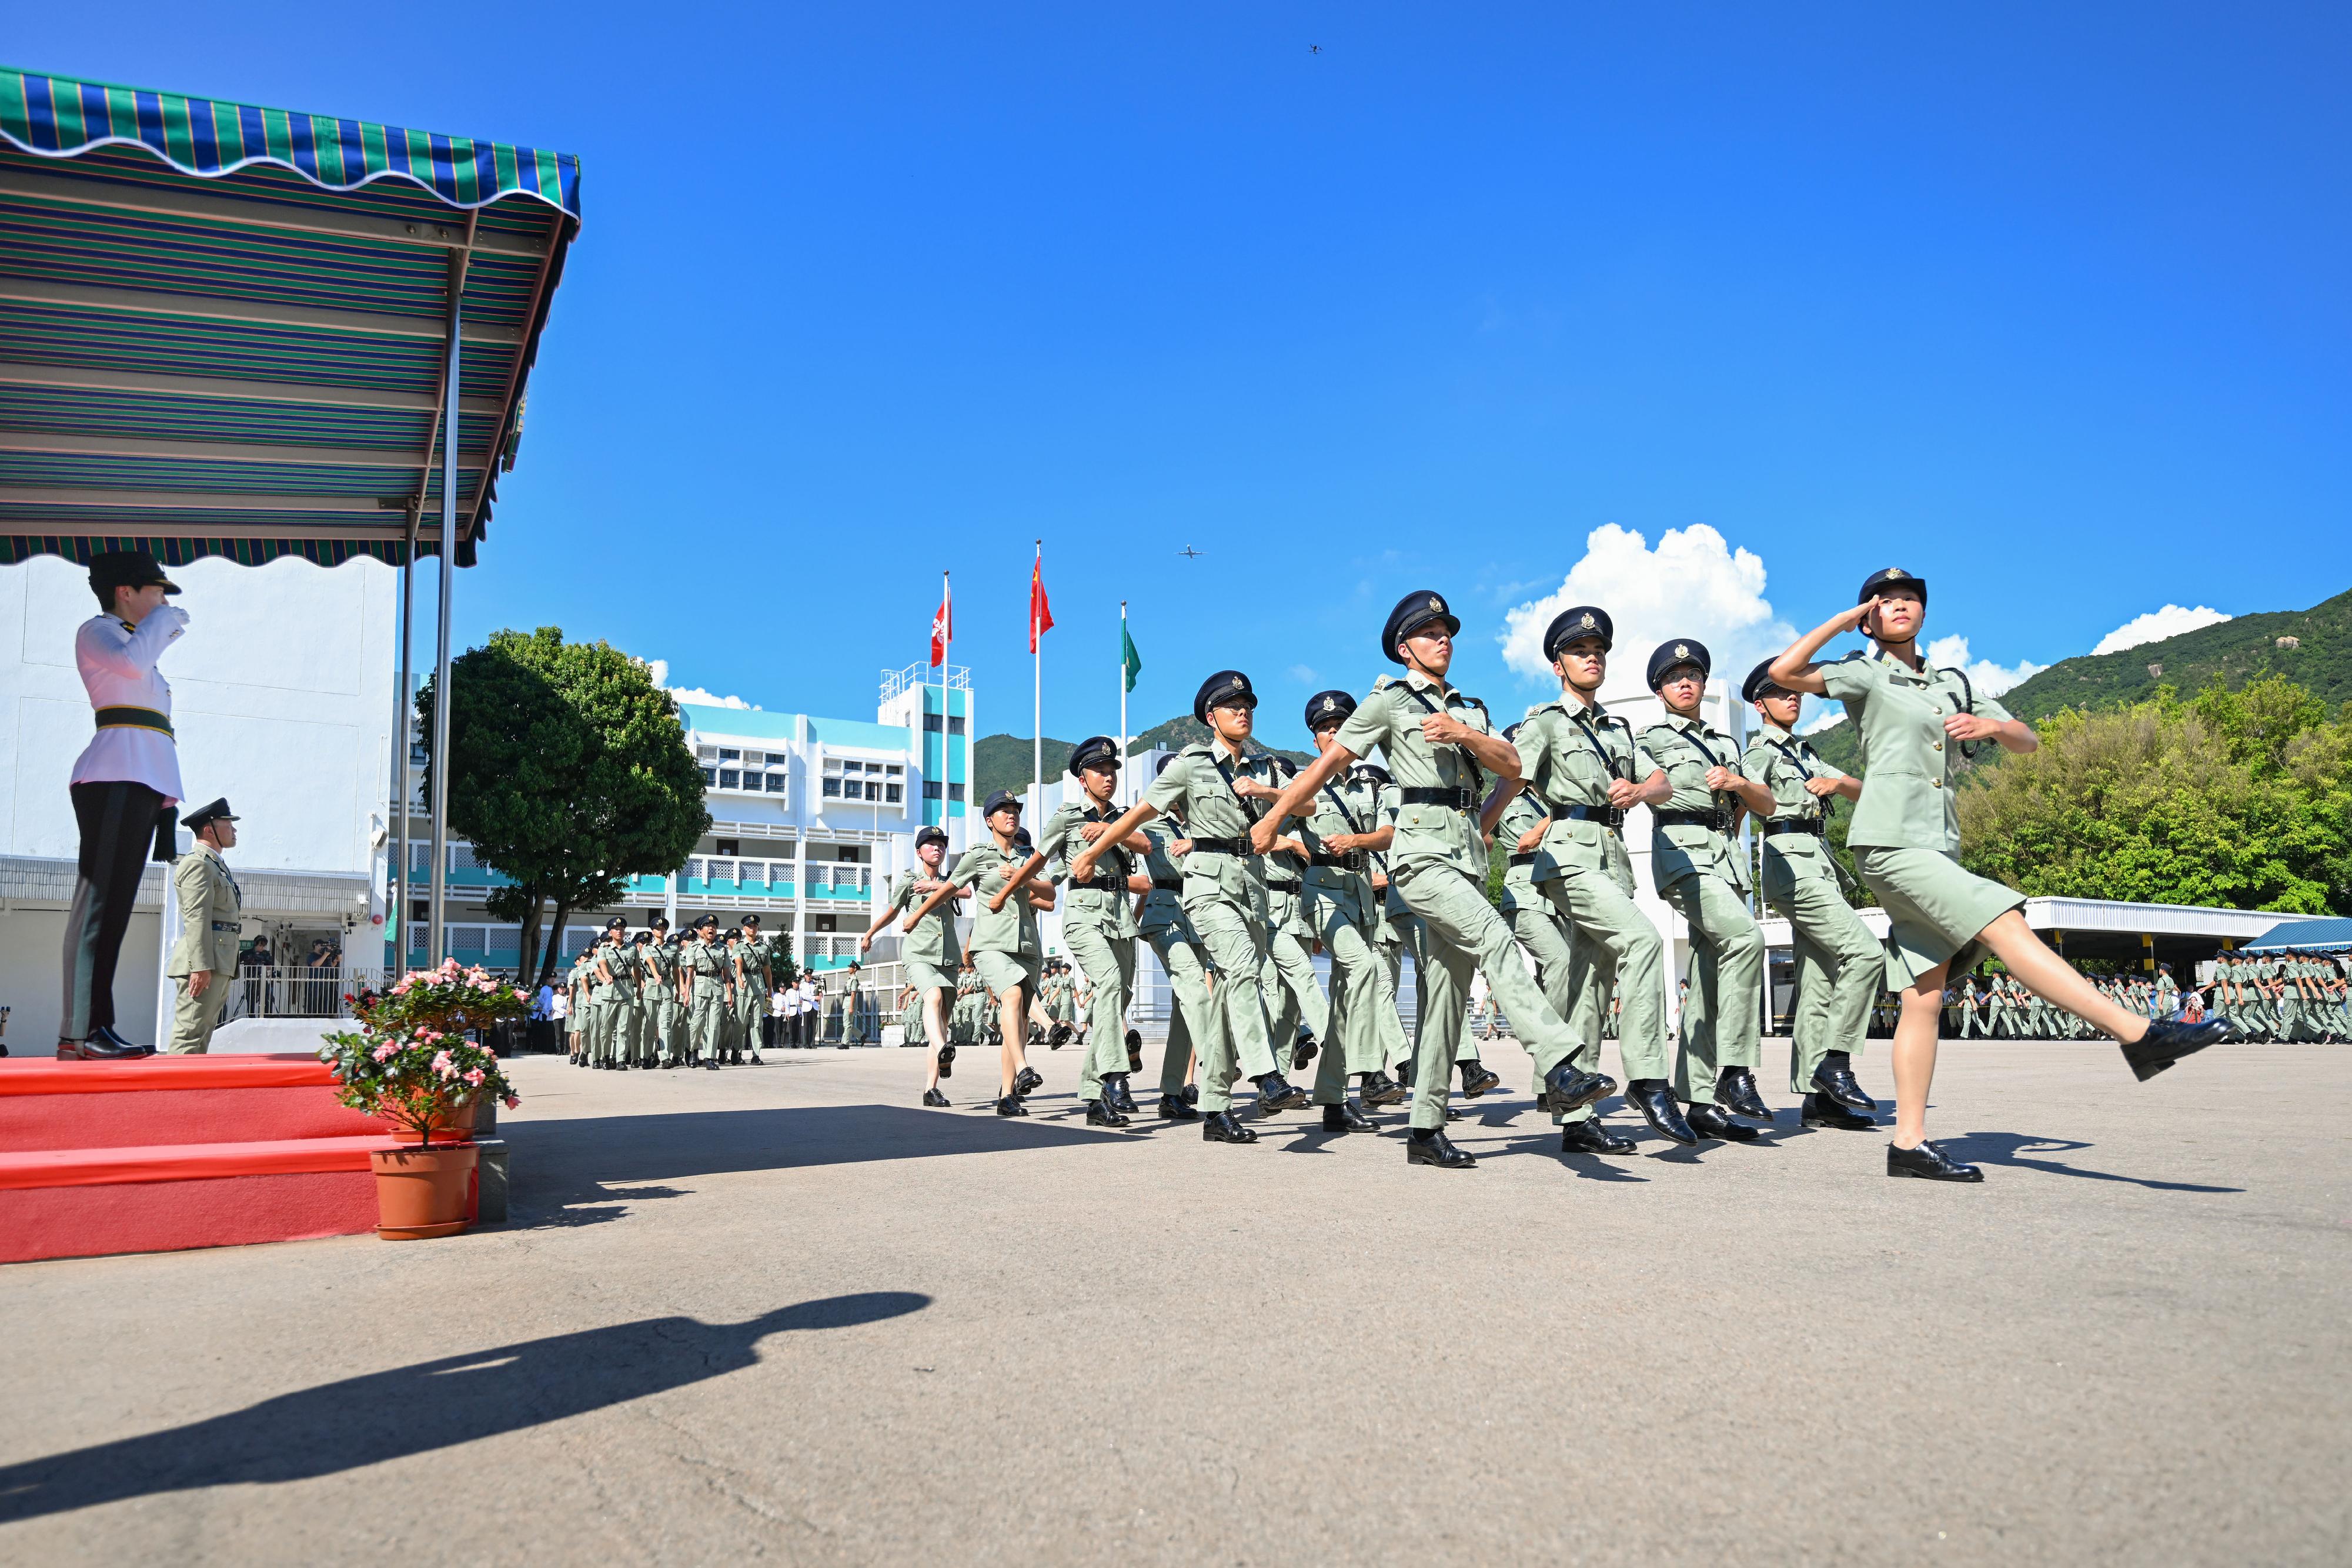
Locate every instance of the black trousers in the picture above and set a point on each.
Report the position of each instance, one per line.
(116, 819)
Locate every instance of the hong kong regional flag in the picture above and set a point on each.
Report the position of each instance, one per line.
(942, 626)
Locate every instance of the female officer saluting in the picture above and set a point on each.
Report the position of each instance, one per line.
(1905, 837)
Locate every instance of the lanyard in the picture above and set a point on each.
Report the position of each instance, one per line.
(1477, 775)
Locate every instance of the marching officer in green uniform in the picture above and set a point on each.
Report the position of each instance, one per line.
(1698, 869)
(1294, 1002)
(1162, 921)
(1006, 949)
(1440, 746)
(1342, 831)
(1586, 763)
(931, 953)
(1520, 819)
(1840, 965)
(664, 1009)
(751, 997)
(1224, 897)
(614, 992)
(710, 977)
(1099, 921)
(582, 991)
(204, 959)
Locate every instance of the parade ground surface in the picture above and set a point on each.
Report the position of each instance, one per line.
(783, 1313)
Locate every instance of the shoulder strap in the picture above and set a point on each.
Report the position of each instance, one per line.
(1967, 705)
(1336, 799)
(1477, 774)
(1583, 722)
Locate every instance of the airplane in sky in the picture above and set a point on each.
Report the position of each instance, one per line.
(1189, 553)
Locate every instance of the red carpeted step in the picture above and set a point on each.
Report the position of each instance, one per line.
(171, 1100)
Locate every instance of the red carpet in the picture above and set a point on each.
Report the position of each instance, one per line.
(173, 1151)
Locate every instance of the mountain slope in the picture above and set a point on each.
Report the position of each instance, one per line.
(1006, 761)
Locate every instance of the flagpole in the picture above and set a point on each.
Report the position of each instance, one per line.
(947, 653)
(1122, 702)
(1036, 692)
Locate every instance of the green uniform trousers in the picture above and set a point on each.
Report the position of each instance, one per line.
(708, 1026)
(600, 1033)
(1291, 996)
(194, 1019)
(1616, 952)
(1192, 1016)
(1109, 961)
(1235, 943)
(1464, 934)
(667, 1024)
(1839, 968)
(1355, 1041)
(1719, 1022)
(1549, 942)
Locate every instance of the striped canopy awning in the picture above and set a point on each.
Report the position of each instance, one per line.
(222, 327)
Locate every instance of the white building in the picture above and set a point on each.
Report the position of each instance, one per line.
(282, 700)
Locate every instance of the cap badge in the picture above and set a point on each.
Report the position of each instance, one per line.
(1588, 620)
(1437, 603)
(1682, 650)
(1896, 574)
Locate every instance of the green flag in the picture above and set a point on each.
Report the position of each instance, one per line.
(1130, 662)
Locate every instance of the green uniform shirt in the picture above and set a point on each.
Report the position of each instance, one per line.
(1524, 811)
(1390, 719)
(1570, 754)
(1348, 804)
(933, 939)
(1686, 748)
(1196, 787)
(621, 964)
(706, 962)
(984, 868)
(661, 971)
(1392, 904)
(1109, 908)
(1782, 763)
(1908, 759)
(1163, 906)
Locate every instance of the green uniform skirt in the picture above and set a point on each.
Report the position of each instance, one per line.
(926, 979)
(1934, 908)
(1003, 971)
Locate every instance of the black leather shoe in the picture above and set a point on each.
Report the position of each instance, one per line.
(1377, 1088)
(1059, 1038)
(1735, 1091)
(1176, 1108)
(1011, 1106)
(103, 1045)
(1433, 1147)
(1305, 1051)
(1929, 1162)
(1029, 1082)
(1275, 1092)
(1821, 1111)
(1101, 1115)
(1115, 1091)
(1192, 1095)
(1134, 1050)
(946, 1061)
(935, 1100)
(1404, 1073)
(1346, 1118)
(1476, 1079)
(1567, 1088)
(1219, 1127)
(1650, 1097)
(1709, 1122)
(2167, 1041)
(1835, 1079)
(1589, 1137)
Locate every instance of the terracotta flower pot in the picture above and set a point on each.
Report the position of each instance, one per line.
(423, 1192)
(455, 1126)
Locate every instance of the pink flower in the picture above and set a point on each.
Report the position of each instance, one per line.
(385, 1052)
(512, 1102)
(443, 1066)
(474, 1076)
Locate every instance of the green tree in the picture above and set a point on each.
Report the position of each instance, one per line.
(569, 773)
(2241, 799)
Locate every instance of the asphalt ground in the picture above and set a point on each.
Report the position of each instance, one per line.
(784, 1313)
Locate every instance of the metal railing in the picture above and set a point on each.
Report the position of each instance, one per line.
(299, 991)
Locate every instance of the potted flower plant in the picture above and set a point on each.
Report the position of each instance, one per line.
(411, 1063)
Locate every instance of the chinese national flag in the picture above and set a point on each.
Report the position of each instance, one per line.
(1041, 615)
(942, 629)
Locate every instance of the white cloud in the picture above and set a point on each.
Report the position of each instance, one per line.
(2156, 626)
(1824, 717)
(1692, 585)
(657, 669)
(701, 698)
(1303, 673)
(1989, 679)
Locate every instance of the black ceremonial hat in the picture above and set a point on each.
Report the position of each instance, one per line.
(217, 811)
(1094, 751)
(1328, 707)
(705, 918)
(112, 569)
(1684, 651)
(1891, 577)
(1222, 688)
(1578, 621)
(618, 923)
(998, 800)
(1413, 612)
(1759, 681)
(933, 835)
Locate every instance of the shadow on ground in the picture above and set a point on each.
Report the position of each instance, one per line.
(2017, 1149)
(362, 1421)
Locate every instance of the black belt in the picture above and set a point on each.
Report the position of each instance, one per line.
(1712, 821)
(133, 719)
(1169, 883)
(1100, 884)
(1460, 799)
(1283, 887)
(1222, 847)
(1814, 829)
(1608, 816)
(1347, 860)
(1526, 859)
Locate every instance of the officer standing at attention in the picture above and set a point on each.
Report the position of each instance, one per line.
(203, 960)
(1099, 921)
(665, 1012)
(581, 993)
(1006, 949)
(1225, 897)
(1342, 831)
(1700, 872)
(1162, 921)
(704, 964)
(122, 785)
(1585, 762)
(753, 983)
(1913, 721)
(930, 952)
(1839, 963)
(1440, 746)
(624, 977)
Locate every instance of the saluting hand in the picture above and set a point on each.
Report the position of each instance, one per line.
(1859, 616)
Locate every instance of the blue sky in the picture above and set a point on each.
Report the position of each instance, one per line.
(2048, 304)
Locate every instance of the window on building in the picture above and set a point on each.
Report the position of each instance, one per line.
(832, 788)
(710, 779)
(728, 778)
(731, 846)
(955, 725)
(729, 754)
(930, 790)
(773, 783)
(955, 791)
(894, 793)
(930, 724)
